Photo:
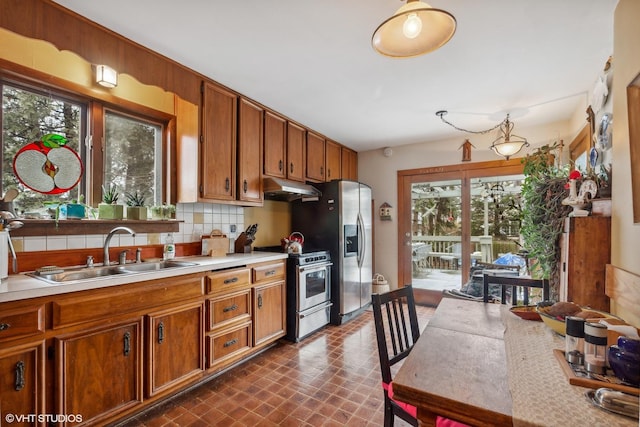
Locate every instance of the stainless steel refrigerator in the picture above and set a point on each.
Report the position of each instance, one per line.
(340, 222)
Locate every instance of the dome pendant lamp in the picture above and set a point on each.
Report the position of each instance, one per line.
(415, 29)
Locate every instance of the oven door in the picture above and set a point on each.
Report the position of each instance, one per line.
(314, 285)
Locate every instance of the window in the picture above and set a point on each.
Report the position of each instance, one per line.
(27, 116)
(133, 160)
(130, 155)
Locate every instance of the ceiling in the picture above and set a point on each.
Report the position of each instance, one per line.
(313, 62)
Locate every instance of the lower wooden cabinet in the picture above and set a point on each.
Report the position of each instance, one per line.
(175, 343)
(105, 354)
(99, 372)
(268, 314)
(22, 381)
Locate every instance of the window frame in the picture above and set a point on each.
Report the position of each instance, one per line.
(93, 121)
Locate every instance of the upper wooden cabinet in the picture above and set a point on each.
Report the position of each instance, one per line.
(218, 143)
(275, 145)
(315, 157)
(250, 137)
(349, 164)
(333, 154)
(296, 144)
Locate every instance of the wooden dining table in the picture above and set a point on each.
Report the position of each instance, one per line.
(479, 364)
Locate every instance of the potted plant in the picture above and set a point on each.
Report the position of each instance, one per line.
(163, 212)
(543, 214)
(109, 209)
(135, 206)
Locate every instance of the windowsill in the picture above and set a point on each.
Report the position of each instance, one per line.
(67, 227)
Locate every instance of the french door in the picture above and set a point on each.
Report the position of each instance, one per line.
(452, 217)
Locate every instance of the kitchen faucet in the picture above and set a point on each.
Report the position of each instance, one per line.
(108, 240)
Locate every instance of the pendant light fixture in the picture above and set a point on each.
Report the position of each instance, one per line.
(415, 29)
(506, 144)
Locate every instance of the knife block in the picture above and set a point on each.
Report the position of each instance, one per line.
(242, 244)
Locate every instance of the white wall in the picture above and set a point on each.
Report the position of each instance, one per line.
(625, 234)
(380, 173)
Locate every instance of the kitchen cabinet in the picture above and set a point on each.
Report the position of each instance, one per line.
(275, 145)
(99, 372)
(315, 157)
(109, 352)
(229, 322)
(333, 156)
(22, 380)
(585, 250)
(175, 346)
(250, 141)
(349, 164)
(296, 145)
(218, 143)
(269, 302)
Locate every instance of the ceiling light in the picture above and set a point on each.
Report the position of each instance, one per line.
(106, 76)
(415, 29)
(506, 144)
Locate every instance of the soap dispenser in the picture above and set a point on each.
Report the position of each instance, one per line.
(169, 251)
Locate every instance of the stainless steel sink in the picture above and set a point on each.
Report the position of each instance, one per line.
(153, 266)
(88, 273)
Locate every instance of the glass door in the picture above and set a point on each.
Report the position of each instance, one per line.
(454, 219)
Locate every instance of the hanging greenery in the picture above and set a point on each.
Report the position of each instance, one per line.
(543, 213)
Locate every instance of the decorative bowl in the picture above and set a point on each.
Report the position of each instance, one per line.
(526, 312)
(625, 365)
(557, 323)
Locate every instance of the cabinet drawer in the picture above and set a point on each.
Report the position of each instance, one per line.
(228, 280)
(268, 272)
(228, 309)
(20, 322)
(229, 343)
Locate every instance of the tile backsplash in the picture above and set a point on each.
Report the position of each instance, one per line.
(197, 219)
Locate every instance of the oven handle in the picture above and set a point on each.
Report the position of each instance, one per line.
(315, 267)
(315, 310)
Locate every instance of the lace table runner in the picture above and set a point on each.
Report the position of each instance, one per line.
(541, 393)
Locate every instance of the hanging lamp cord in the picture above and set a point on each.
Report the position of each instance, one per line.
(442, 113)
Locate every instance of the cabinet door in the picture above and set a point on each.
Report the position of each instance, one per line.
(175, 346)
(349, 164)
(218, 143)
(250, 133)
(315, 157)
(269, 312)
(275, 143)
(585, 252)
(296, 142)
(333, 161)
(99, 372)
(22, 381)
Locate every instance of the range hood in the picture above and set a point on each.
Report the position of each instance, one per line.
(284, 190)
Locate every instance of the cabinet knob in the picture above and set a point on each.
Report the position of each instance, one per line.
(233, 307)
(280, 165)
(245, 186)
(291, 168)
(160, 333)
(127, 343)
(19, 385)
(259, 300)
(227, 184)
(4, 326)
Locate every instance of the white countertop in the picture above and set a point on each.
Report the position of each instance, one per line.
(21, 286)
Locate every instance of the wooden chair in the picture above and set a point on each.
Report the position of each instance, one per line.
(514, 283)
(397, 331)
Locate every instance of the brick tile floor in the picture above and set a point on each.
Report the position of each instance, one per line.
(332, 378)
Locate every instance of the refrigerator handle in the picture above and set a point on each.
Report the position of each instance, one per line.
(361, 241)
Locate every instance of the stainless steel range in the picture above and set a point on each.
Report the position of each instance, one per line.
(308, 293)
